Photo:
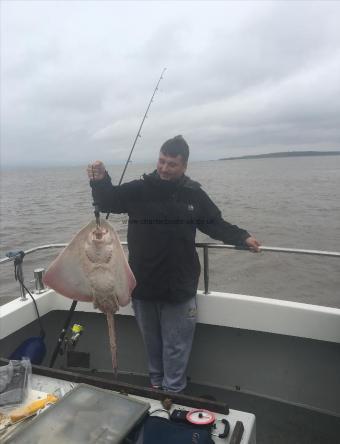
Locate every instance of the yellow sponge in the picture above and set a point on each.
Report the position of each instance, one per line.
(31, 408)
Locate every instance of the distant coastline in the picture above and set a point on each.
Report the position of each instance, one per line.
(285, 154)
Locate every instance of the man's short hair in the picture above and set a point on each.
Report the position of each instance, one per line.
(176, 146)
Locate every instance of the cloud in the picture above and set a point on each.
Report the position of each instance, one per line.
(242, 77)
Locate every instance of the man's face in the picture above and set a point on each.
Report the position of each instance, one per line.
(170, 168)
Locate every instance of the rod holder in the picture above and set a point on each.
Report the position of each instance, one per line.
(38, 280)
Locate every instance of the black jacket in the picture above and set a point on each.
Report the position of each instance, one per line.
(163, 217)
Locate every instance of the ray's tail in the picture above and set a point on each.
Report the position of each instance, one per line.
(112, 336)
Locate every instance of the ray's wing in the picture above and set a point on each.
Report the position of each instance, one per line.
(66, 275)
(120, 268)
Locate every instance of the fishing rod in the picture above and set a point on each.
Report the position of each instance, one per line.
(139, 130)
(141, 125)
(56, 351)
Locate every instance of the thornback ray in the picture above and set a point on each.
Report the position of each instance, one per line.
(93, 268)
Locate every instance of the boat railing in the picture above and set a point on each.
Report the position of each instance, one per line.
(18, 256)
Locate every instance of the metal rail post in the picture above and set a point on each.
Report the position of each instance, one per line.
(206, 269)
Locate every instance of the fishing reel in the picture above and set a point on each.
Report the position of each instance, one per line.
(73, 337)
(74, 358)
(76, 330)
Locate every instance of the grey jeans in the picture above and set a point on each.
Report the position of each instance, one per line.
(168, 332)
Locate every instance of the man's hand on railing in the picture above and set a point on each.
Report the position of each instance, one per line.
(253, 244)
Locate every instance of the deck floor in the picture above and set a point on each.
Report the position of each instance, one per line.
(277, 422)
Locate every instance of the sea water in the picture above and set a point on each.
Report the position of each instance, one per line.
(287, 202)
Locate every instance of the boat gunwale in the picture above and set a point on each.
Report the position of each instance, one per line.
(220, 309)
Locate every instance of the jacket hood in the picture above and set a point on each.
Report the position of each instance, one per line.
(182, 182)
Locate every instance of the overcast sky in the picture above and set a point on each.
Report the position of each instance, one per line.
(242, 78)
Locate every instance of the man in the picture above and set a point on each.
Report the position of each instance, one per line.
(165, 208)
